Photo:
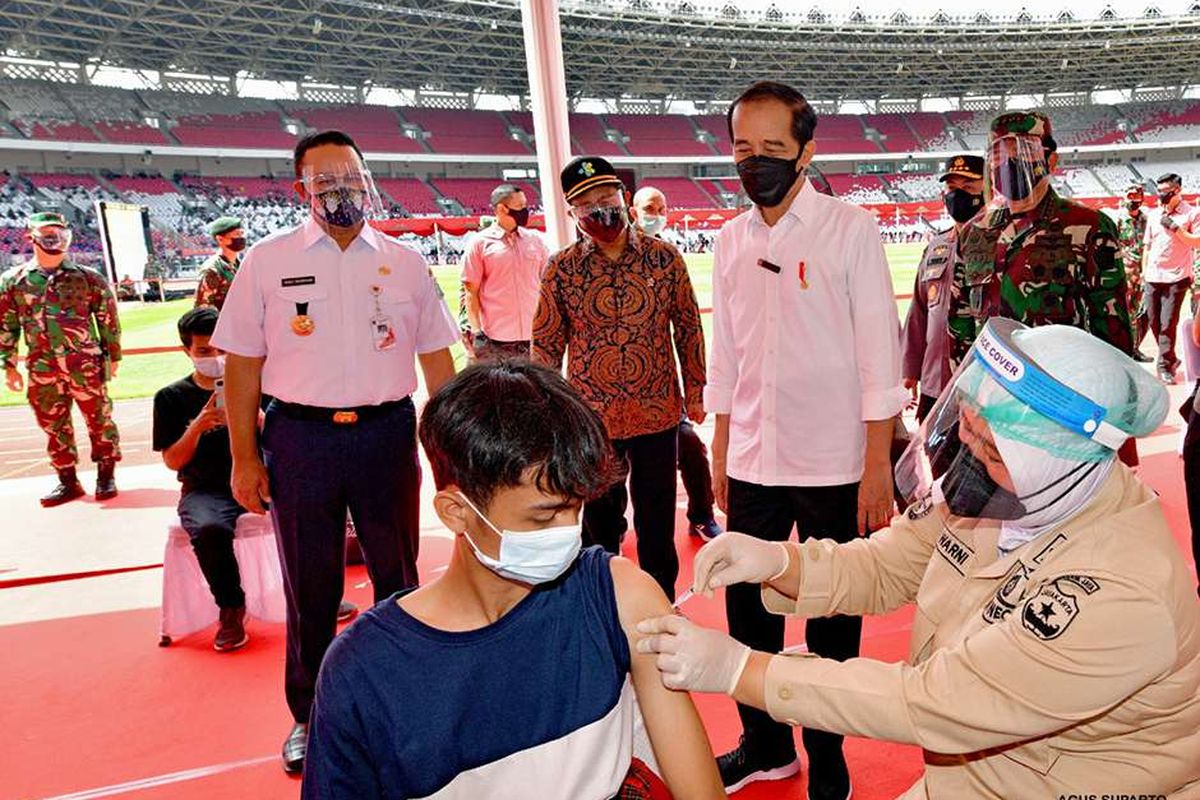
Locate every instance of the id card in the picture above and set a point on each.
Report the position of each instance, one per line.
(383, 332)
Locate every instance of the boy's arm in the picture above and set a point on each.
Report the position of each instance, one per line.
(680, 743)
(338, 764)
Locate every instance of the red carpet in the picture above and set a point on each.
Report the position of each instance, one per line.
(92, 702)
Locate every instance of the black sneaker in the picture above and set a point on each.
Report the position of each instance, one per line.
(1141, 357)
(739, 769)
(706, 530)
(295, 747)
(828, 778)
(232, 633)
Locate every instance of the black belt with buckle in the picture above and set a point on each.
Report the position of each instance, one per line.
(338, 416)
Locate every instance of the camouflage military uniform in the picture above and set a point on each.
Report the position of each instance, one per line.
(1131, 234)
(1057, 265)
(216, 274)
(69, 320)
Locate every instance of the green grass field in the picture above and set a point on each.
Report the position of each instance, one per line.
(153, 324)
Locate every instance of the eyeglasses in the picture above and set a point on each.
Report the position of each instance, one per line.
(612, 201)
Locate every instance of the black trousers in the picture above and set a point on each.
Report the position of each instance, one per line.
(1191, 473)
(1163, 302)
(770, 512)
(318, 471)
(650, 463)
(696, 475)
(210, 518)
(924, 406)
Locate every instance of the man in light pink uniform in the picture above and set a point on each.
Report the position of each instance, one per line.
(502, 273)
(1167, 258)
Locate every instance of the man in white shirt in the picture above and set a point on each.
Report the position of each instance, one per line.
(1167, 269)
(805, 384)
(502, 278)
(330, 318)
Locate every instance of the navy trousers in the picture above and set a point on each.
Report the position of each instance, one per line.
(319, 471)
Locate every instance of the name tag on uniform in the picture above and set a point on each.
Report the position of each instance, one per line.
(383, 332)
(302, 280)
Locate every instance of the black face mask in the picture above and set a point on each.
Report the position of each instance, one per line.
(961, 205)
(767, 180)
(1165, 197)
(519, 216)
(1019, 184)
(971, 492)
(237, 244)
(1133, 206)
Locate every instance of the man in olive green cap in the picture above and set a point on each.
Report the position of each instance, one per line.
(216, 274)
(68, 316)
(1033, 256)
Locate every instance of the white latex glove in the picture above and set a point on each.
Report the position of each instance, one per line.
(692, 658)
(737, 558)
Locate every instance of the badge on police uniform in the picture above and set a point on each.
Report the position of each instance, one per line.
(302, 324)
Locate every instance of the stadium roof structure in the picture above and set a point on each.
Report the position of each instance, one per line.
(635, 49)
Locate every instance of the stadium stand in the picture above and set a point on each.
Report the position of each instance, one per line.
(589, 137)
(1165, 122)
(682, 192)
(659, 135)
(917, 186)
(1115, 177)
(412, 194)
(843, 133)
(1082, 183)
(717, 126)
(374, 128)
(465, 132)
(897, 136)
(858, 188)
(250, 129)
(930, 128)
(1189, 171)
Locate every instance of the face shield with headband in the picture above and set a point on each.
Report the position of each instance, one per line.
(1029, 418)
(51, 239)
(343, 197)
(1016, 164)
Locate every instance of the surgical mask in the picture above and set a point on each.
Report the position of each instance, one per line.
(237, 244)
(519, 216)
(210, 366)
(767, 180)
(961, 205)
(533, 557)
(341, 207)
(605, 224)
(652, 225)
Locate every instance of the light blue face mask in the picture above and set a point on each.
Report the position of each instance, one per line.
(532, 557)
(651, 225)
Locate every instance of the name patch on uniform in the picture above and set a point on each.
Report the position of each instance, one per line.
(1049, 613)
(302, 280)
(1004, 602)
(954, 551)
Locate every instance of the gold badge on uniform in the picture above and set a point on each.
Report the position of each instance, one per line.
(933, 294)
(302, 324)
(385, 270)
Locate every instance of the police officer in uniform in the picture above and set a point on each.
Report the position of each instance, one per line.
(926, 351)
(216, 273)
(68, 315)
(1036, 257)
(330, 318)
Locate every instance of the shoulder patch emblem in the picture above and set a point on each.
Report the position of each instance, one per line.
(921, 508)
(1089, 585)
(1008, 596)
(1049, 612)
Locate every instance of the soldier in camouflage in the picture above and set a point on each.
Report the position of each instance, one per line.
(216, 274)
(1034, 256)
(1131, 234)
(68, 316)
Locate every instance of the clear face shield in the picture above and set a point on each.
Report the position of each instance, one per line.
(343, 197)
(1016, 164)
(999, 390)
(52, 239)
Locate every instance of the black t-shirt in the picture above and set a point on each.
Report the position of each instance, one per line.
(175, 406)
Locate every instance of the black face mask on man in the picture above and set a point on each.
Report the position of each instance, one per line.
(520, 216)
(1021, 178)
(766, 179)
(961, 205)
(1165, 197)
(237, 244)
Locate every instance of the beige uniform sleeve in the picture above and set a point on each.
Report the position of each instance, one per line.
(1076, 646)
(866, 576)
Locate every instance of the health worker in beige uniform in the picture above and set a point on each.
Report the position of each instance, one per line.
(1056, 644)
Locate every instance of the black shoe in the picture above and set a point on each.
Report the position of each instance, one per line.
(739, 769)
(106, 487)
(232, 633)
(1141, 357)
(68, 489)
(346, 611)
(294, 748)
(828, 778)
(706, 530)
